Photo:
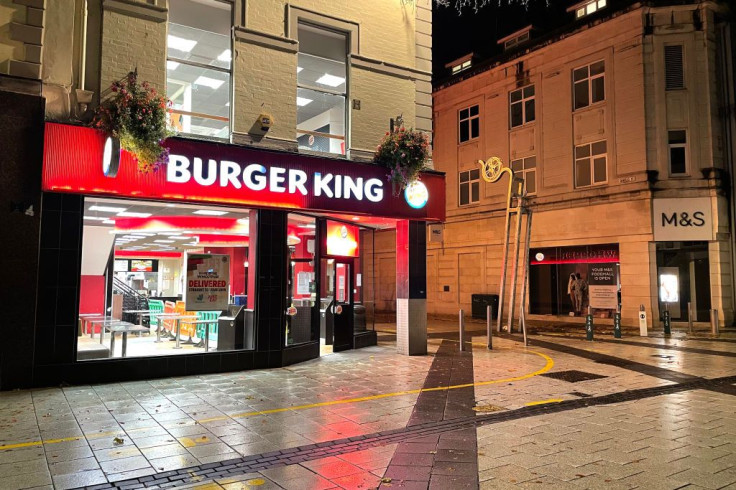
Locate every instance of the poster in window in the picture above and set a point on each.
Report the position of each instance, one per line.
(302, 282)
(207, 282)
(602, 286)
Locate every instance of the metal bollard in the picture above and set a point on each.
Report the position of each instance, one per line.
(489, 316)
(462, 331)
(667, 324)
(617, 324)
(589, 325)
(714, 326)
(689, 318)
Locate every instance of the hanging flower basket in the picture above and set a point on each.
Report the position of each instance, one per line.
(405, 152)
(136, 115)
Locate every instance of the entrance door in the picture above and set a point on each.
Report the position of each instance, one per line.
(343, 305)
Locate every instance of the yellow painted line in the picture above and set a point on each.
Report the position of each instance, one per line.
(544, 402)
(549, 365)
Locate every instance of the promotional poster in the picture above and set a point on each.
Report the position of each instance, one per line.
(207, 282)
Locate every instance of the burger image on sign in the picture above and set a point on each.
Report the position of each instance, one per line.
(416, 195)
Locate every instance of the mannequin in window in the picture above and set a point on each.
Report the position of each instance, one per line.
(571, 293)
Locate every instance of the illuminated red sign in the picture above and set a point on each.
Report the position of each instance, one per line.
(227, 174)
(574, 255)
(342, 240)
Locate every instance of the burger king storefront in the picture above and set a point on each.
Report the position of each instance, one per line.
(226, 258)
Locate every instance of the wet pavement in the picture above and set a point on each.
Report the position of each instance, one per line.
(562, 413)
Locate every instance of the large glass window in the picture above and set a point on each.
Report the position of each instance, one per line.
(522, 106)
(590, 164)
(469, 191)
(469, 124)
(677, 141)
(198, 67)
(527, 168)
(301, 291)
(321, 90)
(157, 280)
(589, 84)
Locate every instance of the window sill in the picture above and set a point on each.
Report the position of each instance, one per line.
(522, 126)
(591, 106)
(472, 140)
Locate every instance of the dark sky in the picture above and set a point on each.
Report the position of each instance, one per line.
(455, 35)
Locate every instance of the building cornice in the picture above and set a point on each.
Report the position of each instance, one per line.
(389, 68)
(135, 9)
(251, 36)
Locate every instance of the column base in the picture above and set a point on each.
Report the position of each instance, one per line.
(411, 326)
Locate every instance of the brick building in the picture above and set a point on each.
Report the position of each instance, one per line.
(622, 124)
(301, 90)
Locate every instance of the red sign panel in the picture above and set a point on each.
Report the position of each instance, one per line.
(342, 240)
(227, 174)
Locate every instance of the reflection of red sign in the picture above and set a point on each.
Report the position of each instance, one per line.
(342, 240)
(575, 255)
(338, 309)
(291, 310)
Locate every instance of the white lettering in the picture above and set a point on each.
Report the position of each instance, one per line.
(374, 190)
(277, 179)
(297, 179)
(257, 182)
(211, 172)
(178, 169)
(322, 184)
(353, 187)
(229, 174)
(338, 186)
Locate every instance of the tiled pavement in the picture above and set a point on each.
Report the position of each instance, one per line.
(346, 421)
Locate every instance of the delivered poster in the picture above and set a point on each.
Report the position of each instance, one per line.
(602, 286)
(207, 282)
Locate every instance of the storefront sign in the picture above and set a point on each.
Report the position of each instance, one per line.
(416, 194)
(208, 282)
(603, 286)
(575, 255)
(208, 172)
(682, 219)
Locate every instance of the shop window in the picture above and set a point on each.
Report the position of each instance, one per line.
(198, 67)
(469, 187)
(154, 272)
(677, 141)
(589, 84)
(673, 68)
(321, 89)
(522, 106)
(301, 290)
(527, 168)
(469, 122)
(591, 164)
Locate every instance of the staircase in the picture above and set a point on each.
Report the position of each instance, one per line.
(131, 301)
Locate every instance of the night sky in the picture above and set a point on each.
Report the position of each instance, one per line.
(457, 35)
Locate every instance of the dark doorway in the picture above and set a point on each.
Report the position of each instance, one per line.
(686, 265)
(343, 305)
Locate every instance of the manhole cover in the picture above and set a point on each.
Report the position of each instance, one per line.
(488, 408)
(579, 394)
(573, 376)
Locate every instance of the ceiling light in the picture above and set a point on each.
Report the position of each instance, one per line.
(330, 80)
(243, 221)
(180, 237)
(298, 69)
(163, 241)
(227, 104)
(302, 101)
(107, 209)
(209, 212)
(181, 44)
(225, 56)
(108, 222)
(129, 214)
(170, 205)
(308, 225)
(355, 218)
(209, 82)
(172, 65)
(95, 218)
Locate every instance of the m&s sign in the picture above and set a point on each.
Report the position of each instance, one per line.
(682, 219)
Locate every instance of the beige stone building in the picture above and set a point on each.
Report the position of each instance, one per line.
(616, 124)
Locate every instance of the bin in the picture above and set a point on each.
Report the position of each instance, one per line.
(480, 302)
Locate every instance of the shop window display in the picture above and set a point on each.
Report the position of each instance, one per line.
(162, 279)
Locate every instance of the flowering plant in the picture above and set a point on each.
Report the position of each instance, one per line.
(405, 153)
(136, 115)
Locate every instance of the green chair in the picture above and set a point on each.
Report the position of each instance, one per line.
(155, 306)
(207, 315)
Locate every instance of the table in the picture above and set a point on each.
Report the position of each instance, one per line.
(173, 316)
(82, 320)
(141, 314)
(125, 330)
(95, 319)
(206, 332)
(104, 324)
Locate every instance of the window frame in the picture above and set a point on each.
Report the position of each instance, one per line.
(228, 71)
(670, 147)
(591, 157)
(589, 79)
(523, 101)
(524, 171)
(469, 183)
(469, 119)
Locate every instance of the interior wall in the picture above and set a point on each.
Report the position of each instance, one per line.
(92, 294)
(97, 243)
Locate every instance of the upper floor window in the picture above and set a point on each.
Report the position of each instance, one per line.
(591, 164)
(461, 66)
(469, 187)
(589, 84)
(198, 67)
(522, 106)
(677, 143)
(469, 121)
(321, 78)
(581, 10)
(674, 75)
(526, 168)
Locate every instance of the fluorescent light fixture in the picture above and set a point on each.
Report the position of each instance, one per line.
(180, 237)
(108, 222)
(139, 235)
(227, 104)
(243, 221)
(163, 241)
(209, 82)
(299, 69)
(171, 65)
(129, 214)
(302, 101)
(94, 218)
(209, 212)
(181, 44)
(170, 233)
(170, 205)
(107, 209)
(308, 225)
(330, 80)
(225, 56)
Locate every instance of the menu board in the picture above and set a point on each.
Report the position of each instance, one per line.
(207, 282)
(141, 265)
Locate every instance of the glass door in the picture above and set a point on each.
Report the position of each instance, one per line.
(343, 305)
